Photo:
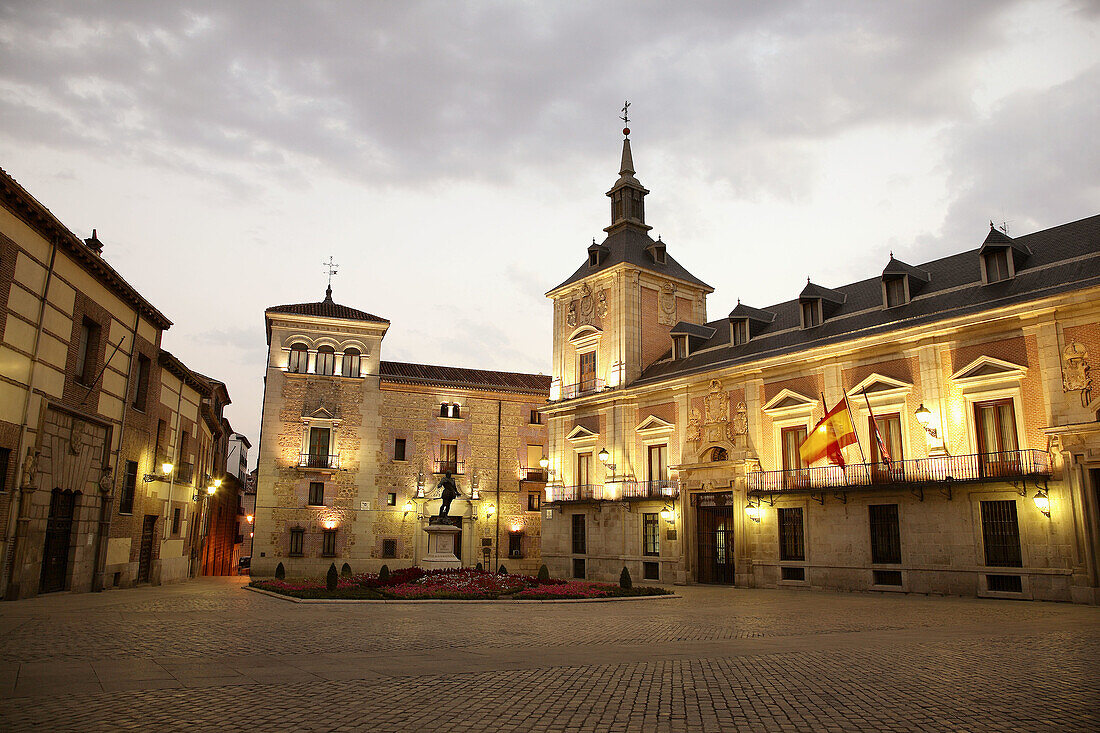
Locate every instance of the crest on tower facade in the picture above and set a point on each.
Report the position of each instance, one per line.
(1075, 371)
(666, 305)
(716, 413)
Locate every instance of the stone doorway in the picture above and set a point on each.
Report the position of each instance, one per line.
(59, 532)
(714, 538)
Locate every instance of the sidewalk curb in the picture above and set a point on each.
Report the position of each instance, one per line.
(507, 601)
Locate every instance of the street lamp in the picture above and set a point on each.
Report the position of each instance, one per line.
(604, 457)
(165, 473)
(409, 506)
(211, 490)
(544, 463)
(924, 417)
(490, 511)
(753, 511)
(1042, 502)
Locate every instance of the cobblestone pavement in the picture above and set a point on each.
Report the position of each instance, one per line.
(208, 653)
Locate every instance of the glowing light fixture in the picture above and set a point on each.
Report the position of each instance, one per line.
(330, 524)
(409, 506)
(753, 512)
(249, 518)
(544, 463)
(924, 417)
(1042, 502)
(166, 468)
(603, 455)
(490, 511)
(217, 483)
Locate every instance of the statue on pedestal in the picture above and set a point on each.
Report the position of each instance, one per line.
(450, 491)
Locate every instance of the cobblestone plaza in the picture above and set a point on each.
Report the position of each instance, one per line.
(209, 654)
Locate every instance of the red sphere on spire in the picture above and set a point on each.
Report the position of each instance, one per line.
(626, 130)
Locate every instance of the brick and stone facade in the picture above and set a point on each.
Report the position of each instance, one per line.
(698, 421)
(352, 449)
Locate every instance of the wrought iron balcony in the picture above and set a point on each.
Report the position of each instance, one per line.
(584, 387)
(319, 460)
(617, 491)
(455, 468)
(971, 468)
(578, 492)
(662, 489)
(533, 474)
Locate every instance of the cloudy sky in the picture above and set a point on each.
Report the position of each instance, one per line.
(453, 157)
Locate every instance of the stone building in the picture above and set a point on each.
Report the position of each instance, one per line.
(352, 449)
(92, 413)
(674, 438)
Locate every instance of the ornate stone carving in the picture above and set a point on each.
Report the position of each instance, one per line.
(695, 426)
(716, 418)
(740, 420)
(1075, 371)
(106, 479)
(587, 305)
(601, 304)
(666, 305)
(76, 436)
(571, 315)
(30, 469)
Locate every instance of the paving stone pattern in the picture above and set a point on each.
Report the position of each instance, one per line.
(209, 653)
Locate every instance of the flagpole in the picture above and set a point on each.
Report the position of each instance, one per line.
(853, 419)
(874, 425)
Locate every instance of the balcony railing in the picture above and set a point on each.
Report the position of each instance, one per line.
(318, 460)
(533, 474)
(617, 491)
(184, 473)
(581, 388)
(970, 468)
(455, 468)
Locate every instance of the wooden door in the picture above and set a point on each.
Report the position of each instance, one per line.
(587, 371)
(790, 441)
(145, 557)
(714, 535)
(889, 429)
(318, 447)
(997, 442)
(59, 531)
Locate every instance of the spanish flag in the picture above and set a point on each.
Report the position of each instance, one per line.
(835, 431)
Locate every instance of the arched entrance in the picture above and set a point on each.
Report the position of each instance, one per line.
(714, 538)
(59, 532)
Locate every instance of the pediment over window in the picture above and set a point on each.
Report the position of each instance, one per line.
(654, 424)
(789, 401)
(581, 434)
(584, 333)
(878, 385)
(989, 369)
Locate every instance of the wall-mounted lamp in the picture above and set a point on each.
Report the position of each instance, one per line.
(249, 518)
(420, 485)
(165, 473)
(752, 511)
(330, 524)
(217, 483)
(490, 511)
(544, 463)
(924, 417)
(409, 506)
(1042, 502)
(475, 491)
(211, 490)
(668, 514)
(604, 457)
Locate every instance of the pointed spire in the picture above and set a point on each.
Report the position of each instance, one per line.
(626, 168)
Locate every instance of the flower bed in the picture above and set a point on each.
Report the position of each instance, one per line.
(460, 584)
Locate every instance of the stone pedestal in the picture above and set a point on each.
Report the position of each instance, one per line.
(441, 543)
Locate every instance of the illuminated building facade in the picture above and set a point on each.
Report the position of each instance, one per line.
(674, 438)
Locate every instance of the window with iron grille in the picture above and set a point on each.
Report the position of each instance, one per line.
(141, 391)
(297, 542)
(792, 573)
(651, 571)
(515, 544)
(791, 538)
(176, 521)
(328, 543)
(391, 499)
(533, 501)
(650, 535)
(1004, 583)
(389, 548)
(316, 493)
(399, 449)
(129, 485)
(578, 568)
(1001, 534)
(885, 533)
(580, 544)
(5, 457)
(887, 577)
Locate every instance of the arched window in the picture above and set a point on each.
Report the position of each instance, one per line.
(326, 360)
(719, 454)
(456, 411)
(351, 363)
(444, 410)
(299, 359)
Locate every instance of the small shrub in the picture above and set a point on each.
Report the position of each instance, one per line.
(332, 578)
(479, 567)
(383, 573)
(280, 571)
(502, 570)
(624, 579)
(544, 574)
(346, 570)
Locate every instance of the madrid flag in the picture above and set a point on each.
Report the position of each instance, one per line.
(830, 435)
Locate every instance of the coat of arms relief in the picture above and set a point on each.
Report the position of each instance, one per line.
(1075, 371)
(666, 305)
(714, 424)
(588, 310)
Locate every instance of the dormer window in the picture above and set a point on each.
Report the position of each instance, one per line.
(593, 259)
(996, 265)
(739, 331)
(656, 251)
(895, 292)
(597, 254)
(679, 347)
(811, 313)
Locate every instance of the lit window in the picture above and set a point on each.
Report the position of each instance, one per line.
(351, 363)
(326, 360)
(299, 359)
(316, 493)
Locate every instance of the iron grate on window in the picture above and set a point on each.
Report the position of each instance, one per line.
(887, 577)
(1001, 534)
(578, 568)
(651, 571)
(389, 548)
(1005, 583)
(885, 534)
(791, 538)
(792, 573)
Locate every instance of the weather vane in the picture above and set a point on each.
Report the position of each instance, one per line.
(626, 118)
(330, 268)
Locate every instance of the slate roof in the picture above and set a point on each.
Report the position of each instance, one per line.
(683, 328)
(629, 245)
(445, 376)
(1063, 258)
(327, 309)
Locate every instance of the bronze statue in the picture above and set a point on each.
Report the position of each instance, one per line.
(450, 491)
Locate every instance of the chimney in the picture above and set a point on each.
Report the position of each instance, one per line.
(94, 244)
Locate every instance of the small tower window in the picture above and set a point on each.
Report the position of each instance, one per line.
(326, 360)
(351, 362)
(444, 410)
(299, 359)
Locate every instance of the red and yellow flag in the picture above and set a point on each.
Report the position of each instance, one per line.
(835, 431)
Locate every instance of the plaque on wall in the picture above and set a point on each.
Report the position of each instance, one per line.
(670, 534)
(549, 513)
(364, 506)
